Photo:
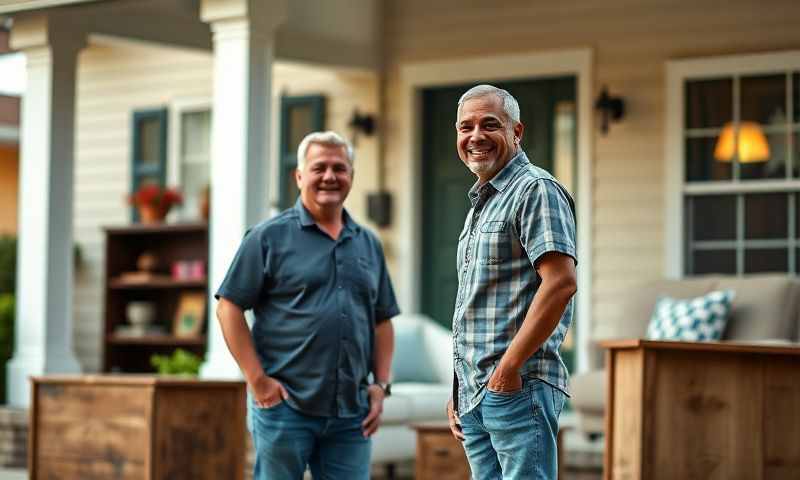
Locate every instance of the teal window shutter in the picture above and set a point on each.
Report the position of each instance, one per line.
(149, 150)
(300, 115)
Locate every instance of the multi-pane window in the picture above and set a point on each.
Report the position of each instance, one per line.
(299, 117)
(195, 158)
(149, 152)
(741, 194)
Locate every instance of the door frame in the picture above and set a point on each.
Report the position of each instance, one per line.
(414, 77)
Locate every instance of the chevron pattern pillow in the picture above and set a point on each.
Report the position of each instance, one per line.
(696, 319)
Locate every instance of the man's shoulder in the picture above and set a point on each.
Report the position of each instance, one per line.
(531, 176)
(368, 235)
(278, 223)
(530, 173)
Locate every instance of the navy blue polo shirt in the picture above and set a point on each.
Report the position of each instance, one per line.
(316, 302)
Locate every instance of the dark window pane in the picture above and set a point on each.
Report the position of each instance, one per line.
(797, 261)
(291, 187)
(714, 261)
(763, 99)
(709, 103)
(796, 95)
(713, 217)
(796, 154)
(150, 141)
(762, 156)
(301, 123)
(701, 164)
(766, 260)
(797, 216)
(765, 216)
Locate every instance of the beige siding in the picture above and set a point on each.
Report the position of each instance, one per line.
(631, 41)
(115, 80)
(9, 175)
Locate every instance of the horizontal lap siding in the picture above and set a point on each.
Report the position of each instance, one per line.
(631, 41)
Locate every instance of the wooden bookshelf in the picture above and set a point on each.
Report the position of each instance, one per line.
(124, 352)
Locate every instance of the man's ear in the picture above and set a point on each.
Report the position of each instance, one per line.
(519, 128)
(298, 177)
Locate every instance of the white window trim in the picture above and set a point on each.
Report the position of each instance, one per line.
(415, 77)
(678, 71)
(177, 108)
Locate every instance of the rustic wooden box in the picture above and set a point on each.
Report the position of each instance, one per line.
(136, 427)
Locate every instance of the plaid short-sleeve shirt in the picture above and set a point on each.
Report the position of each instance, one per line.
(518, 216)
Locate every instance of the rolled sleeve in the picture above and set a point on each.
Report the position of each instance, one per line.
(245, 277)
(386, 302)
(546, 221)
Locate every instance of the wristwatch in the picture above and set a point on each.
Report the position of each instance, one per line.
(386, 387)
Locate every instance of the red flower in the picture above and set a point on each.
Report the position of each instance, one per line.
(155, 196)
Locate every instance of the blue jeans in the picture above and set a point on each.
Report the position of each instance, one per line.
(286, 441)
(513, 435)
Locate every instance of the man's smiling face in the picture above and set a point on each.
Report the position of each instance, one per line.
(487, 138)
(326, 177)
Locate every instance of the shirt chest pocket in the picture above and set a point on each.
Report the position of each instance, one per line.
(494, 243)
(364, 276)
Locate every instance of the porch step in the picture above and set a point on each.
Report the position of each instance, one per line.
(13, 438)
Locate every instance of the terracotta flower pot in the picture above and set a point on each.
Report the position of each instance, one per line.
(151, 214)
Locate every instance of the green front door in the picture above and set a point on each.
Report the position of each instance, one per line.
(548, 112)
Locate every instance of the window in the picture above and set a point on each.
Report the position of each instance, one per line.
(189, 166)
(149, 152)
(194, 159)
(299, 117)
(738, 155)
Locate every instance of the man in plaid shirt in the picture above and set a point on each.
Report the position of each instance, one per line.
(516, 280)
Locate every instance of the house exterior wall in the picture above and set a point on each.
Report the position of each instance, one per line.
(9, 188)
(117, 78)
(631, 41)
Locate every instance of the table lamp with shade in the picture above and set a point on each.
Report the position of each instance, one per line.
(752, 144)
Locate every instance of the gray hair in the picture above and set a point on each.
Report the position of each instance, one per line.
(510, 105)
(328, 138)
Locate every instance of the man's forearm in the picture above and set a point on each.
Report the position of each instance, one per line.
(384, 349)
(240, 342)
(543, 315)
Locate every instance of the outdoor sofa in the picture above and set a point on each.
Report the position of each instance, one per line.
(765, 309)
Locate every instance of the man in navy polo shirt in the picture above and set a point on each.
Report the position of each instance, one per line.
(322, 299)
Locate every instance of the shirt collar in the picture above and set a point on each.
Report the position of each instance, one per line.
(501, 180)
(306, 220)
(504, 176)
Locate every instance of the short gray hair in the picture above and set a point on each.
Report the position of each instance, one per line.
(328, 138)
(510, 105)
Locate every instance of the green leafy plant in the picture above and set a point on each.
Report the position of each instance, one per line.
(180, 362)
(6, 338)
(8, 263)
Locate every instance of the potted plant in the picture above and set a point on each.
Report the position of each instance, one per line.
(154, 202)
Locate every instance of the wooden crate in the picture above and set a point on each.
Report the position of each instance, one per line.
(439, 455)
(136, 427)
(702, 410)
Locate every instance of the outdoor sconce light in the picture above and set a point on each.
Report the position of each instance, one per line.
(361, 124)
(752, 144)
(611, 109)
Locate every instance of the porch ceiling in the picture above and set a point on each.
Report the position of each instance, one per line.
(327, 32)
(14, 6)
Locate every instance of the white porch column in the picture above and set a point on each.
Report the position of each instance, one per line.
(44, 268)
(243, 39)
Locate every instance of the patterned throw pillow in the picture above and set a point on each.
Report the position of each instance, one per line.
(697, 319)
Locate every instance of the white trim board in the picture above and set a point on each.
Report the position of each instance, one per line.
(9, 134)
(417, 76)
(678, 71)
